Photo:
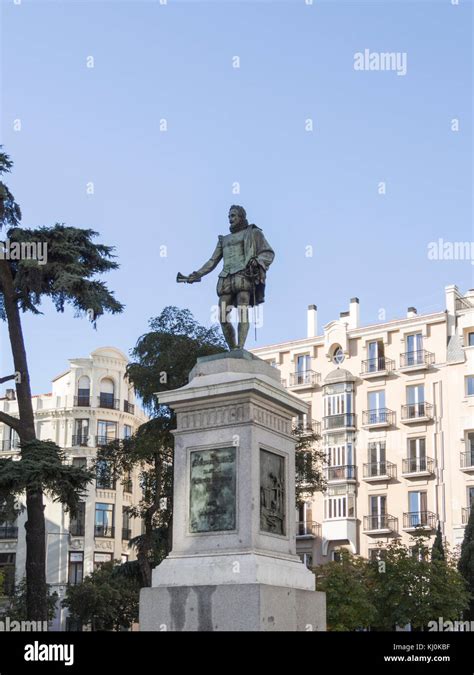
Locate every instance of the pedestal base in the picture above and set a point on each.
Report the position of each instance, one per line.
(232, 607)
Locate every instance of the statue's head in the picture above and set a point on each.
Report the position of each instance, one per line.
(237, 218)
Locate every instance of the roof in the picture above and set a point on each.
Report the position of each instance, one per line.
(339, 375)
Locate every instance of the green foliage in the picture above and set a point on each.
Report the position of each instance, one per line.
(164, 357)
(43, 468)
(403, 587)
(437, 552)
(309, 461)
(349, 605)
(107, 599)
(466, 563)
(17, 610)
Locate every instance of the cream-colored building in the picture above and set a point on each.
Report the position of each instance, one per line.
(90, 404)
(394, 404)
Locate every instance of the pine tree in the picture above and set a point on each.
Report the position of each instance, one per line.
(437, 552)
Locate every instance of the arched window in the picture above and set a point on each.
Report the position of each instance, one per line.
(83, 391)
(107, 394)
(338, 356)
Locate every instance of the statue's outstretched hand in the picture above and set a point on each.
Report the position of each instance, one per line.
(193, 277)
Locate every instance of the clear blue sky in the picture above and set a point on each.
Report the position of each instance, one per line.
(225, 124)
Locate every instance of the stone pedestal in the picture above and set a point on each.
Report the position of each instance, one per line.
(233, 565)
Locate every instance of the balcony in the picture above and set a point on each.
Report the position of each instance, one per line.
(380, 524)
(378, 419)
(380, 367)
(126, 533)
(417, 412)
(79, 440)
(416, 467)
(345, 473)
(419, 520)
(104, 531)
(416, 360)
(465, 514)
(307, 427)
(104, 440)
(467, 461)
(308, 529)
(10, 445)
(304, 379)
(8, 532)
(108, 401)
(378, 471)
(128, 408)
(83, 401)
(343, 421)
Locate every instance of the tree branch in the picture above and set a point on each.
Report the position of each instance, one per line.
(12, 422)
(7, 378)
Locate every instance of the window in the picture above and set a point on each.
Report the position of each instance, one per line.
(378, 512)
(79, 462)
(126, 529)
(105, 478)
(76, 567)
(470, 339)
(419, 552)
(414, 347)
(127, 482)
(7, 567)
(376, 403)
(303, 369)
(104, 520)
(14, 439)
(307, 559)
(376, 554)
(336, 556)
(77, 522)
(470, 449)
(377, 458)
(124, 558)
(81, 432)
(416, 401)
(127, 430)
(417, 505)
(338, 356)
(416, 454)
(107, 390)
(340, 456)
(83, 392)
(376, 356)
(305, 519)
(470, 495)
(339, 502)
(100, 559)
(106, 432)
(469, 385)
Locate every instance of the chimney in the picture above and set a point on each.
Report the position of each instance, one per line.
(354, 314)
(312, 321)
(411, 312)
(10, 394)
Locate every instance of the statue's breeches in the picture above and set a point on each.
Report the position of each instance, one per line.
(233, 284)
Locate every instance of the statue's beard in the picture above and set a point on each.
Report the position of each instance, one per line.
(238, 227)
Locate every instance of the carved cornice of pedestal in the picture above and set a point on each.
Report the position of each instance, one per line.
(230, 415)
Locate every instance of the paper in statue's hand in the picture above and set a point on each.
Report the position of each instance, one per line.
(182, 279)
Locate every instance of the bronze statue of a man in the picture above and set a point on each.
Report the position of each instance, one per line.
(247, 256)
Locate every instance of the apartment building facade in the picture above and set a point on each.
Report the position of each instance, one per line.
(393, 403)
(90, 404)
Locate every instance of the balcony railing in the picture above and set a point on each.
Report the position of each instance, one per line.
(104, 531)
(467, 460)
(378, 365)
(104, 440)
(80, 440)
(379, 416)
(380, 522)
(10, 445)
(128, 407)
(379, 469)
(425, 520)
(126, 533)
(418, 465)
(466, 512)
(347, 472)
(308, 528)
(307, 427)
(8, 532)
(76, 529)
(414, 411)
(106, 401)
(419, 357)
(309, 378)
(342, 421)
(82, 401)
